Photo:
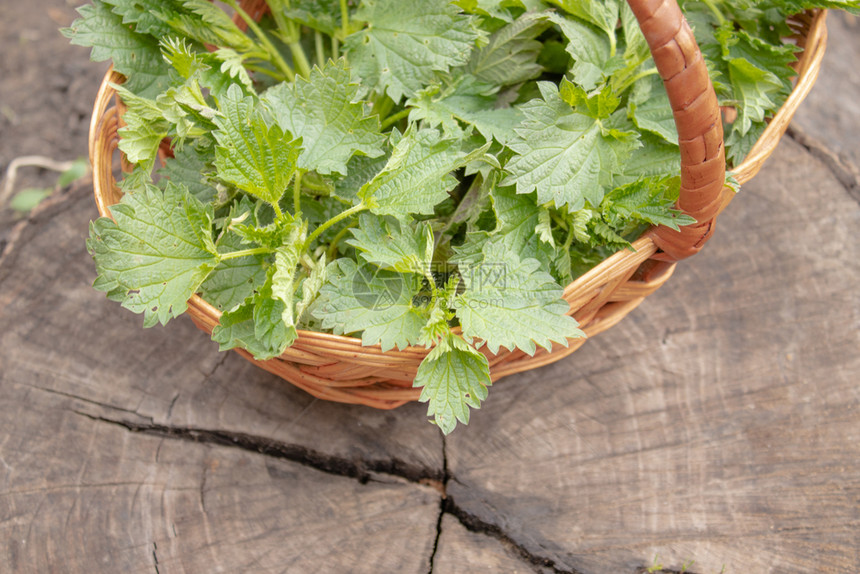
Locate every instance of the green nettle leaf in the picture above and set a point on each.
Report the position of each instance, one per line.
(236, 329)
(466, 100)
(656, 157)
(284, 282)
(738, 146)
(360, 170)
(649, 200)
(206, 23)
(418, 174)
(407, 41)
(325, 110)
(251, 155)
(216, 71)
(600, 13)
(759, 73)
(273, 235)
(635, 46)
(191, 166)
(390, 244)
(265, 323)
(509, 302)
(598, 105)
(453, 377)
(134, 55)
(377, 302)
(568, 157)
(322, 15)
(145, 16)
(157, 252)
(757, 91)
(590, 49)
(510, 56)
(235, 280)
(544, 227)
(518, 217)
(257, 325)
(311, 286)
(144, 129)
(490, 8)
(650, 110)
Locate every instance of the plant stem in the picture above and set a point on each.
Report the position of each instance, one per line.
(332, 249)
(336, 219)
(713, 7)
(320, 49)
(559, 221)
(630, 81)
(335, 48)
(382, 105)
(344, 18)
(291, 34)
(245, 253)
(300, 59)
(321, 189)
(276, 8)
(297, 193)
(278, 212)
(274, 55)
(393, 119)
(569, 241)
(262, 70)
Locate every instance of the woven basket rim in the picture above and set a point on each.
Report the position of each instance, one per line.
(808, 68)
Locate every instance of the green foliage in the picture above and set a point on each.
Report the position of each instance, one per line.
(377, 303)
(252, 155)
(444, 165)
(157, 252)
(389, 244)
(323, 110)
(407, 41)
(418, 174)
(567, 156)
(137, 56)
(509, 302)
(453, 377)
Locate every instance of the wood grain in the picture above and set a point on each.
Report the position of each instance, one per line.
(460, 551)
(83, 495)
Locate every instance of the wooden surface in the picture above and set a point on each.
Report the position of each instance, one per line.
(719, 424)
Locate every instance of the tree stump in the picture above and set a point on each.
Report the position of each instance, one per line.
(715, 429)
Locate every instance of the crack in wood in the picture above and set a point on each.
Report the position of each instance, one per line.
(474, 524)
(90, 402)
(650, 570)
(362, 470)
(446, 476)
(847, 174)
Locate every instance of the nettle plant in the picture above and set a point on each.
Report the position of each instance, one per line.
(419, 172)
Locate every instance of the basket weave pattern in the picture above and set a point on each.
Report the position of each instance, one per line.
(340, 368)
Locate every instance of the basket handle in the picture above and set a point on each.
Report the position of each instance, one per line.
(697, 119)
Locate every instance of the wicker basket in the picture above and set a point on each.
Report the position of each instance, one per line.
(340, 368)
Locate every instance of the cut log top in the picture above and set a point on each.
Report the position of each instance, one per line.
(715, 429)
